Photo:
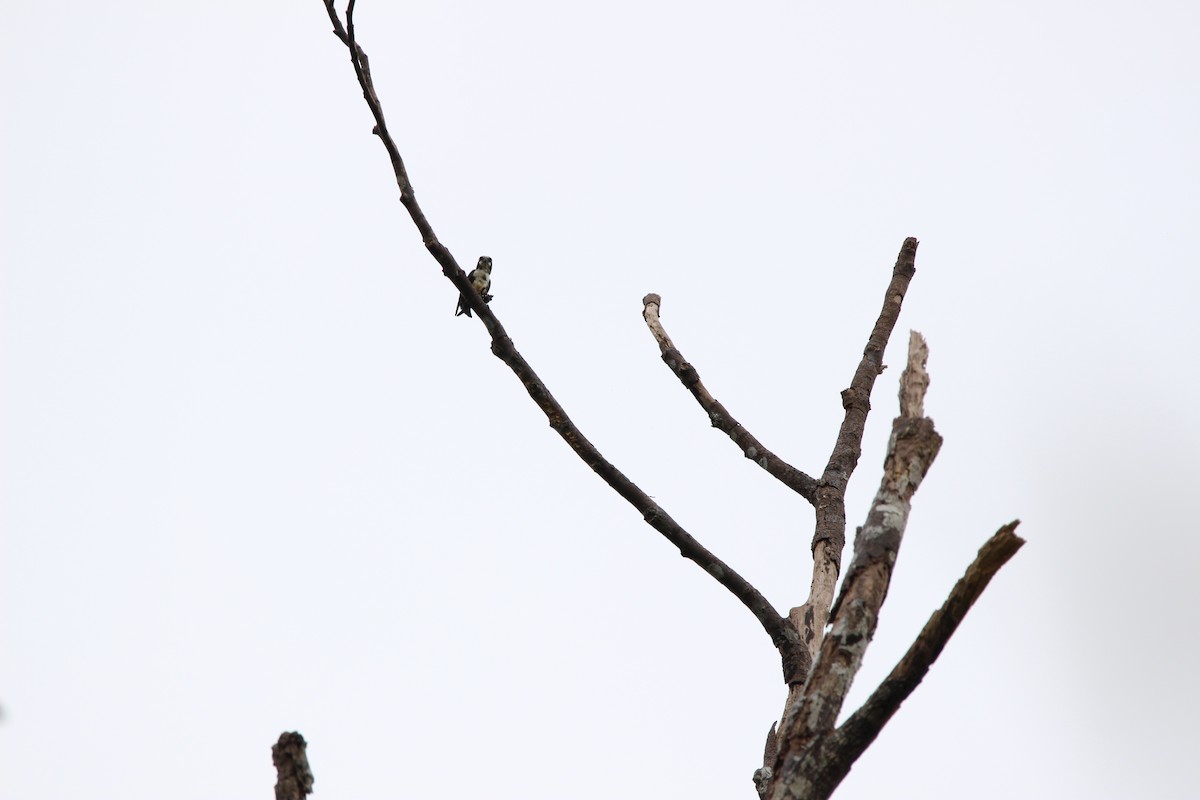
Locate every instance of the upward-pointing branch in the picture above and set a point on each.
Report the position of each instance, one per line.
(856, 400)
(829, 536)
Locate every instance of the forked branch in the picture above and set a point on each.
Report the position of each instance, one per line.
(913, 445)
(808, 756)
(828, 495)
(817, 772)
(829, 535)
(813, 757)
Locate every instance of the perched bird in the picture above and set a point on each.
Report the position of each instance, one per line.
(481, 280)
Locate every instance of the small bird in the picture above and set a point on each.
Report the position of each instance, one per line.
(481, 280)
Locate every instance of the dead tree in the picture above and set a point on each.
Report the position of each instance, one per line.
(821, 642)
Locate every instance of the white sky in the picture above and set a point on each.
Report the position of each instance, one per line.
(256, 476)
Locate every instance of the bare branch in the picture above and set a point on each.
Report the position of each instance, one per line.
(807, 756)
(913, 446)
(915, 380)
(338, 30)
(831, 503)
(829, 537)
(795, 657)
(829, 494)
(721, 419)
(861, 728)
(294, 779)
(818, 770)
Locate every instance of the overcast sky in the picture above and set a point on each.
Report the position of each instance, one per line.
(257, 477)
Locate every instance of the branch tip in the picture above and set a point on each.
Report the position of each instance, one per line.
(914, 381)
(294, 778)
(718, 416)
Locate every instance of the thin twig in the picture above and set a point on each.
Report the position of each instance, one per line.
(783, 635)
(718, 415)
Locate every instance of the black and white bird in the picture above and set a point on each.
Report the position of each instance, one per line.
(481, 280)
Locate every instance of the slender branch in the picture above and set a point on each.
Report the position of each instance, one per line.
(829, 536)
(721, 419)
(861, 728)
(831, 497)
(829, 494)
(338, 30)
(795, 657)
(294, 778)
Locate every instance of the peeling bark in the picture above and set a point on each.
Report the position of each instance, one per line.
(814, 756)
